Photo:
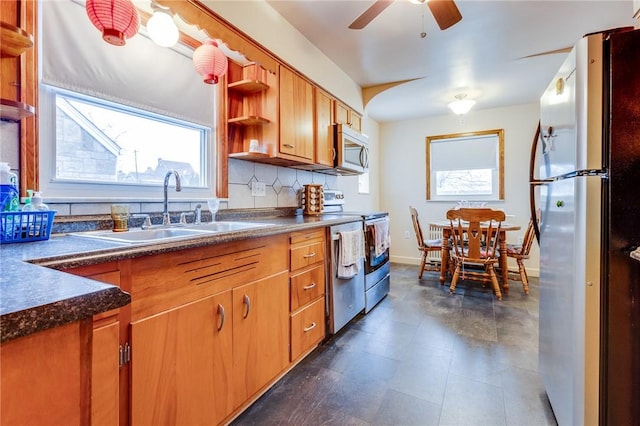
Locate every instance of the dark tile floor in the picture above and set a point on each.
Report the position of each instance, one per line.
(421, 357)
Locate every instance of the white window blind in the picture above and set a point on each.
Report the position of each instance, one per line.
(139, 74)
(478, 152)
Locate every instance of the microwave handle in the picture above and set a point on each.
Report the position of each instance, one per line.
(364, 157)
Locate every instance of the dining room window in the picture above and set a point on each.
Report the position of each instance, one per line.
(465, 166)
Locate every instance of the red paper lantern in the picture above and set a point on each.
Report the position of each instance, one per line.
(210, 61)
(118, 20)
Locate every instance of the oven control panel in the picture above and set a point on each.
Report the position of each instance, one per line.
(333, 197)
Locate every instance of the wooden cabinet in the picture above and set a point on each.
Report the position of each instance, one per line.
(307, 291)
(210, 328)
(324, 150)
(182, 364)
(45, 377)
(296, 116)
(108, 377)
(347, 116)
(260, 334)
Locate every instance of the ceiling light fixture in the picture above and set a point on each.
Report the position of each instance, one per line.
(117, 20)
(461, 105)
(161, 27)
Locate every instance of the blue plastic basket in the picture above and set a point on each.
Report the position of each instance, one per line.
(21, 227)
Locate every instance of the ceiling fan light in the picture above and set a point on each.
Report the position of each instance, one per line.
(162, 29)
(418, 1)
(461, 106)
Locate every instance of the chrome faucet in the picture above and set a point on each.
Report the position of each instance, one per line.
(166, 219)
(198, 212)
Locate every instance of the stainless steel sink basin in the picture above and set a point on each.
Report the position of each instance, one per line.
(144, 235)
(165, 233)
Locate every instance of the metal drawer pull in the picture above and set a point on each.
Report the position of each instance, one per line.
(222, 316)
(311, 327)
(306, 256)
(288, 145)
(309, 287)
(247, 303)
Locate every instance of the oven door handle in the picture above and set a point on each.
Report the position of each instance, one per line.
(372, 221)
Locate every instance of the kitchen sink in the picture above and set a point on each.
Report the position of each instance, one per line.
(226, 226)
(143, 235)
(171, 232)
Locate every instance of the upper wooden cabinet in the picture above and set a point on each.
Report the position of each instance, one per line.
(325, 152)
(296, 116)
(347, 116)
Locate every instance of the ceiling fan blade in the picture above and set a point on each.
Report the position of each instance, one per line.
(445, 12)
(369, 15)
(549, 52)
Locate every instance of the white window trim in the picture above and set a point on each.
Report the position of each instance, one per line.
(71, 192)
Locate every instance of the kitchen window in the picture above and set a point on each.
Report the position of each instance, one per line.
(465, 166)
(115, 119)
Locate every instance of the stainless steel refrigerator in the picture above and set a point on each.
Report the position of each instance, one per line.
(587, 158)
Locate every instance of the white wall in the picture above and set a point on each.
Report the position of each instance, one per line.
(403, 171)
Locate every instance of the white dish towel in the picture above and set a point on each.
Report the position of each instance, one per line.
(351, 252)
(381, 236)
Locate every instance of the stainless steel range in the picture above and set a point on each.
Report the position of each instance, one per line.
(376, 267)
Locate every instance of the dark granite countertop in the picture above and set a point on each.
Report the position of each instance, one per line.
(34, 296)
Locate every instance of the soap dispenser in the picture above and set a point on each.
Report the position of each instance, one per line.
(36, 202)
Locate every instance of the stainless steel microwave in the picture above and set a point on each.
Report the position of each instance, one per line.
(352, 151)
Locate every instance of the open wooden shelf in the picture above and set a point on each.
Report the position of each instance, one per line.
(249, 155)
(15, 111)
(248, 86)
(13, 40)
(251, 120)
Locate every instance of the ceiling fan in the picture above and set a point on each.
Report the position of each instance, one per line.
(445, 12)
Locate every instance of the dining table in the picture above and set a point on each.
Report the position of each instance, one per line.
(446, 228)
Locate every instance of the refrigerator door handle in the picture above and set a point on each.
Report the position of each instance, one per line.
(533, 182)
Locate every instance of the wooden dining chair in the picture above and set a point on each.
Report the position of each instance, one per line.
(475, 234)
(424, 245)
(520, 252)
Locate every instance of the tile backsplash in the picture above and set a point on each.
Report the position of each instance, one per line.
(281, 188)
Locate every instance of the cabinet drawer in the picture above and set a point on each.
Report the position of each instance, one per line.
(305, 255)
(307, 286)
(307, 328)
(305, 237)
(166, 280)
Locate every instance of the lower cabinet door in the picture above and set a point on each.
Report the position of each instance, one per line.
(105, 372)
(260, 334)
(307, 328)
(181, 364)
